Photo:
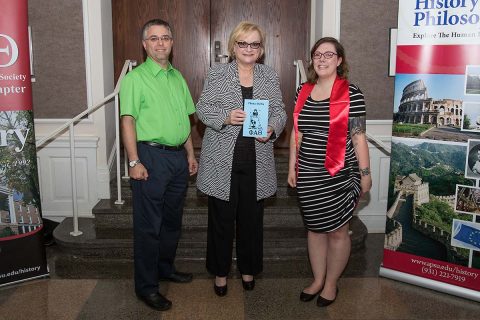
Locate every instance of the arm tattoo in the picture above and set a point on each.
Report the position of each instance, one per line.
(365, 171)
(357, 125)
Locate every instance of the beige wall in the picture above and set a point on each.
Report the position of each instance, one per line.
(365, 34)
(59, 58)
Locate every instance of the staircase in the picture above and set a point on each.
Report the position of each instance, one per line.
(105, 250)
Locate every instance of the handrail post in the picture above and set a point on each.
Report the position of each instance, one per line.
(300, 75)
(117, 146)
(297, 73)
(73, 173)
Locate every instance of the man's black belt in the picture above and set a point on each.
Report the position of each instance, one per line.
(162, 146)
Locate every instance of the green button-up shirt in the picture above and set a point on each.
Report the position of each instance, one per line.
(160, 102)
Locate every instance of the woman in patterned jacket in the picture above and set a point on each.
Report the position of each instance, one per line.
(238, 172)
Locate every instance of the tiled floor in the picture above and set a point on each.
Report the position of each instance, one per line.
(362, 295)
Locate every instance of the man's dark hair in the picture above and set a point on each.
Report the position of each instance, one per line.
(155, 22)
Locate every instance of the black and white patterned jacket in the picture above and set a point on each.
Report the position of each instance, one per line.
(221, 94)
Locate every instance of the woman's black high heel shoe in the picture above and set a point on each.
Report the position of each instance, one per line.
(220, 291)
(248, 285)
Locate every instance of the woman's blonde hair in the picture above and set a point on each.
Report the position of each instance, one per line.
(241, 29)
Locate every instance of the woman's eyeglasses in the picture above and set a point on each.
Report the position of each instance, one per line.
(327, 55)
(244, 44)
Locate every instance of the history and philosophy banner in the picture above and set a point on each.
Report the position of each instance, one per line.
(433, 218)
(22, 254)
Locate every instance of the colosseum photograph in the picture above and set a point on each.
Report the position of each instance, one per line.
(431, 107)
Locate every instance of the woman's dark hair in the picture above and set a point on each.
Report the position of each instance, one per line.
(342, 69)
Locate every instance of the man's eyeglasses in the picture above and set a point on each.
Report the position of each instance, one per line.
(244, 44)
(162, 38)
(327, 55)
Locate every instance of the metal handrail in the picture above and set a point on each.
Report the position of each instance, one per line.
(301, 77)
(70, 125)
(300, 74)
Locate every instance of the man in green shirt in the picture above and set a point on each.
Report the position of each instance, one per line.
(155, 106)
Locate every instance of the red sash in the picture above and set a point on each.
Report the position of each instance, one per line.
(337, 135)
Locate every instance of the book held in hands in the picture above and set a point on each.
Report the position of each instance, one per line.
(256, 122)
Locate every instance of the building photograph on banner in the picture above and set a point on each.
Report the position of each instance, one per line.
(423, 179)
(472, 80)
(430, 106)
(471, 117)
(19, 194)
(22, 253)
(432, 213)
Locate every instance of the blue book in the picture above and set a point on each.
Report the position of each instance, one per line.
(256, 122)
(468, 234)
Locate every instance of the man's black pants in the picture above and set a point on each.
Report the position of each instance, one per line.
(157, 214)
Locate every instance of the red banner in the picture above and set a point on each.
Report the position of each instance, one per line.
(15, 84)
(433, 269)
(432, 234)
(436, 59)
(22, 253)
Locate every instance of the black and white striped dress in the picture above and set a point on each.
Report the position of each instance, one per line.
(326, 202)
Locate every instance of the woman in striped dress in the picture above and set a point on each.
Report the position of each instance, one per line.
(329, 164)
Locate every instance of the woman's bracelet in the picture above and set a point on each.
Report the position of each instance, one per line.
(365, 171)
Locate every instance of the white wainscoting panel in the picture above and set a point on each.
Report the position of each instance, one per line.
(55, 177)
(373, 206)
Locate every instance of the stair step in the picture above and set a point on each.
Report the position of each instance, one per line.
(278, 244)
(192, 192)
(283, 190)
(107, 243)
(73, 267)
(198, 205)
(200, 232)
(193, 245)
(278, 212)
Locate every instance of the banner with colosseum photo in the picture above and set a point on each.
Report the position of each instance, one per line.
(433, 218)
(22, 254)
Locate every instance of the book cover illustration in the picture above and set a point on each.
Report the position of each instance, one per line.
(256, 122)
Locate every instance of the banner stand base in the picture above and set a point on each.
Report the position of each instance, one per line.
(46, 275)
(430, 284)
